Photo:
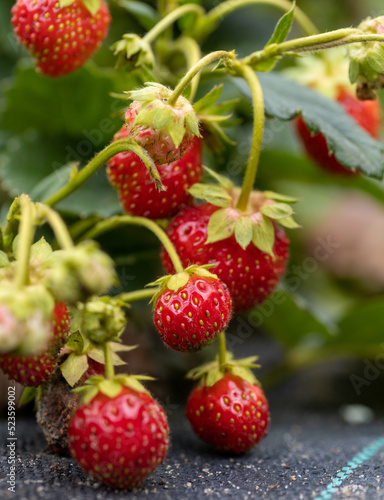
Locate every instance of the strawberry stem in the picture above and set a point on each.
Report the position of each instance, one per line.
(208, 59)
(312, 43)
(120, 146)
(122, 220)
(57, 224)
(129, 297)
(222, 351)
(209, 22)
(192, 53)
(257, 138)
(169, 19)
(109, 370)
(26, 235)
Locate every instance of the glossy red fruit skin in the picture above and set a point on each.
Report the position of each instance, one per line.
(157, 142)
(119, 441)
(32, 371)
(250, 275)
(231, 415)
(191, 318)
(137, 192)
(366, 113)
(60, 39)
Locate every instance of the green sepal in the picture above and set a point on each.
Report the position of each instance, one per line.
(289, 222)
(276, 210)
(263, 236)
(4, 261)
(74, 367)
(76, 342)
(29, 394)
(224, 181)
(271, 195)
(110, 388)
(209, 99)
(211, 372)
(215, 138)
(221, 225)
(41, 250)
(216, 195)
(244, 231)
(176, 281)
(92, 5)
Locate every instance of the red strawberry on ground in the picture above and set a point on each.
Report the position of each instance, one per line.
(164, 130)
(250, 274)
(61, 39)
(137, 191)
(232, 414)
(32, 371)
(191, 309)
(366, 113)
(119, 440)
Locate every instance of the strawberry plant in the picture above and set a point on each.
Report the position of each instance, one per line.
(103, 135)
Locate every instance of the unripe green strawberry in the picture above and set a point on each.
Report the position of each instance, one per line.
(60, 38)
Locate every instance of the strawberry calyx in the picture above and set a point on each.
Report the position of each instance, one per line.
(210, 373)
(213, 117)
(155, 111)
(110, 387)
(92, 5)
(367, 60)
(255, 224)
(132, 50)
(175, 282)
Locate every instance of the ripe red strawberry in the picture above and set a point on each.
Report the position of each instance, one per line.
(231, 415)
(366, 113)
(136, 189)
(32, 371)
(119, 440)
(61, 39)
(190, 317)
(250, 274)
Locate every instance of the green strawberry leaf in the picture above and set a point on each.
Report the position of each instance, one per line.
(28, 395)
(283, 26)
(221, 225)
(244, 231)
(209, 99)
(74, 367)
(353, 147)
(216, 195)
(263, 236)
(144, 13)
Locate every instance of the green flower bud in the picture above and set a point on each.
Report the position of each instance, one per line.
(103, 320)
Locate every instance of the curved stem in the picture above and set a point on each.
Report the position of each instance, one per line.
(129, 297)
(257, 138)
(109, 370)
(192, 53)
(222, 351)
(57, 224)
(120, 146)
(26, 235)
(209, 22)
(121, 220)
(208, 59)
(169, 19)
(311, 44)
